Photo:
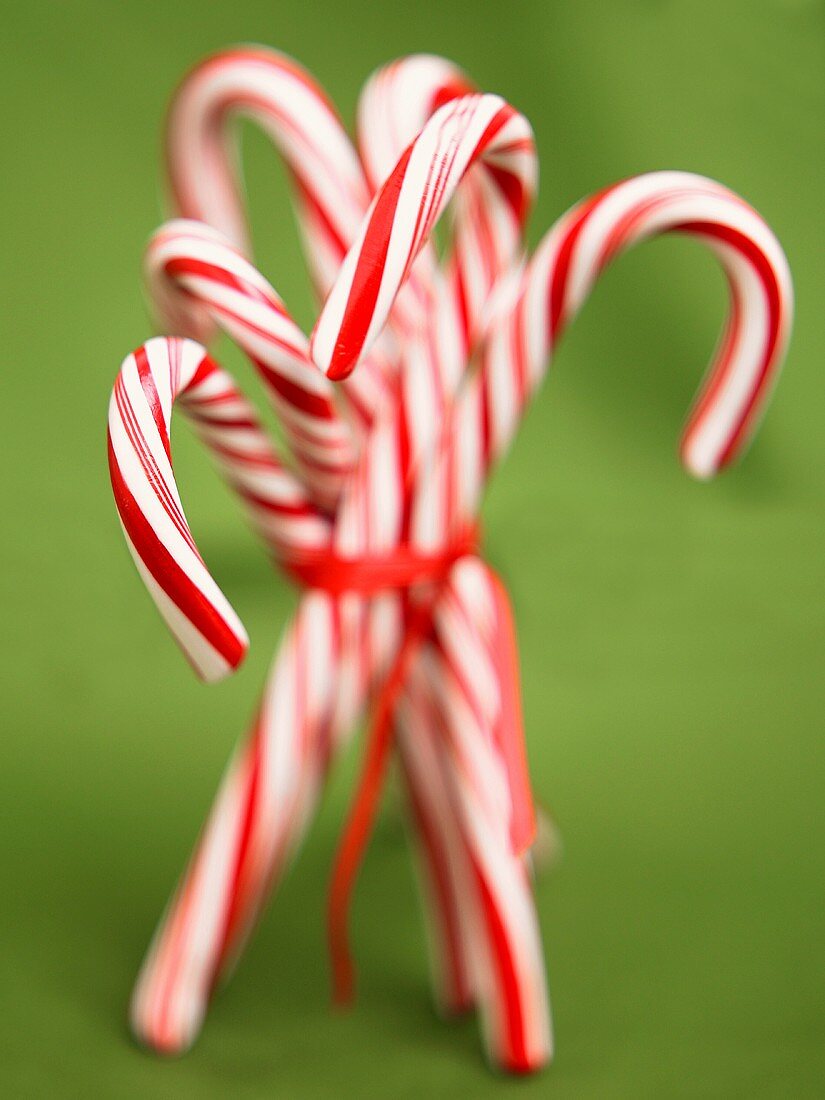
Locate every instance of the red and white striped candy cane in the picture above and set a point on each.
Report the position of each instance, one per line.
(308, 703)
(257, 819)
(287, 103)
(149, 505)
(490, 208)
(540, 303)
(405, 211)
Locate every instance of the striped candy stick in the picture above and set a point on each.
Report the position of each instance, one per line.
(495, 820)
(191, 268)
(396, 103)
(554, 286)
(441, 853)
(288, 104)
(750, 353)
(258, 818)
(381, 507)
(197, 939)
(263, 804)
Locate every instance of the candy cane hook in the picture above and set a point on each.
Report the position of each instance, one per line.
(198, 614)
(404, 213)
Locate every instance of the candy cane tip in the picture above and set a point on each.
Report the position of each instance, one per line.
(336, 362)
(702, 463)
(212, 665)
(166, 1044)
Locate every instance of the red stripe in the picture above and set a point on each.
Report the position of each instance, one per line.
(295, 395)
(558, 283)
(513, 189)
(150, 390)
(206, 368)
(183, 267)
(768, 360)
(149, 466)
(276, 507)
(455, 88)
(368, 274)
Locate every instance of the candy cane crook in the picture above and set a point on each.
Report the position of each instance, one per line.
(149, 505)
(282, 98)
(524, 332)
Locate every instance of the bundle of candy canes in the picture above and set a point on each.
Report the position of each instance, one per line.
(394, 411)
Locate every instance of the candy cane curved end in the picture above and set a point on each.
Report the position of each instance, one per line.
(201, 619)
(285, 100)
(461, 133)
(395, 104)
(744, 369)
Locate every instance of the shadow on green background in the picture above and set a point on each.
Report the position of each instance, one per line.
(672, 633)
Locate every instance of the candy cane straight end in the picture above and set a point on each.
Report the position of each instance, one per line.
(167, 1041)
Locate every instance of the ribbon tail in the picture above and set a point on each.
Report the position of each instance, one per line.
(363, 809)
(510, 728)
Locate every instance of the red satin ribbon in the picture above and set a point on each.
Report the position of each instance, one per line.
(396, 571)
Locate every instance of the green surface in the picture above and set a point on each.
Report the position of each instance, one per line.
(672, 633)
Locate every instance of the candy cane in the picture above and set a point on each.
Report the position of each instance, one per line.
(490, 208)
(405, 211)
(525, 330)
(198, 614)
(257, 820)
(282, 98)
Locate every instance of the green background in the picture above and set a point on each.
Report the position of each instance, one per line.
(672, 633)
